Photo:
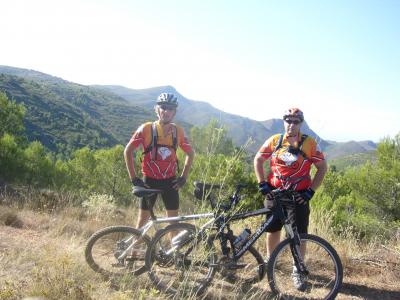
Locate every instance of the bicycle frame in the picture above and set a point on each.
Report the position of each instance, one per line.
(154, 221)
(277, 213)
(222, 222)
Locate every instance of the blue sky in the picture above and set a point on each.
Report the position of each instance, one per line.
(339, 61)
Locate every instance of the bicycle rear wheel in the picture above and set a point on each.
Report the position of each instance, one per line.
(104, 248)
(322, 262)
(183, 268)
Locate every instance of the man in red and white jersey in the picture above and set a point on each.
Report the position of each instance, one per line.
(291, 156)
(159, 141)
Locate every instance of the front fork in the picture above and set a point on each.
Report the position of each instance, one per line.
(295, 244)
(226, 262)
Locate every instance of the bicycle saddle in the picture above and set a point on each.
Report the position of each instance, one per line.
(140, 191)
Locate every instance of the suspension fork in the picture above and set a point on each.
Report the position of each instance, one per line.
(221, 225)
(295, 248)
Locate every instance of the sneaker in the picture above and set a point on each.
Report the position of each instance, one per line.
(298, 280)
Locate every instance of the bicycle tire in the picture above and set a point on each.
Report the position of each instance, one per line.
(101, 251)
(322, 261)
(185, 271)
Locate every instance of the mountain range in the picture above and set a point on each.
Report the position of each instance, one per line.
(64, 114)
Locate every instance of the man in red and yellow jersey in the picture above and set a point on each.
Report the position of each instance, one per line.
(291, 156)
(159, 141)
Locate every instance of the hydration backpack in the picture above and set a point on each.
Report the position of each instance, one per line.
(154, 145)
(298, 150)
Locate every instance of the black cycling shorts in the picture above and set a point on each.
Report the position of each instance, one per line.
(302, 215)
(170, 196)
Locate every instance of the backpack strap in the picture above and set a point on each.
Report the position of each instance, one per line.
(303, 138)
(300, 146)
(174, 137)
(175, 144)
(279, 145)
(153, 143)
(154, 136)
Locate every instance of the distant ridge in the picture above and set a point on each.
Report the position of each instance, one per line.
(65, 113)
(200, 113)
(31, 74)
(336, 149)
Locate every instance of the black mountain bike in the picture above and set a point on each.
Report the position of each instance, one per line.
(182, 260)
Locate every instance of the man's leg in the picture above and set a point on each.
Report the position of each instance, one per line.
(302, 220)
(143, 217)
(172, 213)
(273, 239)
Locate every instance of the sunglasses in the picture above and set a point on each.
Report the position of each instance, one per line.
(167, 107)
(295, 122)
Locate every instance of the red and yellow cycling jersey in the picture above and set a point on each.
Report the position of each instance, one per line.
(163, 164)
(289, 166)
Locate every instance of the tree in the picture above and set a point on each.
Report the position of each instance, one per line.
(218, 162)
(110, 172)
(365, 198)
(211, 139)
(11, 161)
(81, 169)
(11, 116)
(37, 165)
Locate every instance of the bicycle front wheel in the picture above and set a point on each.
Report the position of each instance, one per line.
(117, 251)
(179, 263)
(322, 262)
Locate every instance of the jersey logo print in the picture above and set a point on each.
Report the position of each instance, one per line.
(288, 158)
(164, 152)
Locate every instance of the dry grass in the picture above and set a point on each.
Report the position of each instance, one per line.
(41, 255)
(45, 258)
(9, 217)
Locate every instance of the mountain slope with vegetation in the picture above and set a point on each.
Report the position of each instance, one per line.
(62, 114)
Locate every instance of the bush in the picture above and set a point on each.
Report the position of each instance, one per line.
(100, 205)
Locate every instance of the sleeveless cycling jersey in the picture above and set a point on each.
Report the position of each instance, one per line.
(164, 164)
(290, 166)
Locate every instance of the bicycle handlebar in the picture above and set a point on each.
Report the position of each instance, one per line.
(285, 197)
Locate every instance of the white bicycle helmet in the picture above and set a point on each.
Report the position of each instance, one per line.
(294, 112)
(167, 98)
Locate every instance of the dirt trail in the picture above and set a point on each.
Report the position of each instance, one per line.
(374, 277)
